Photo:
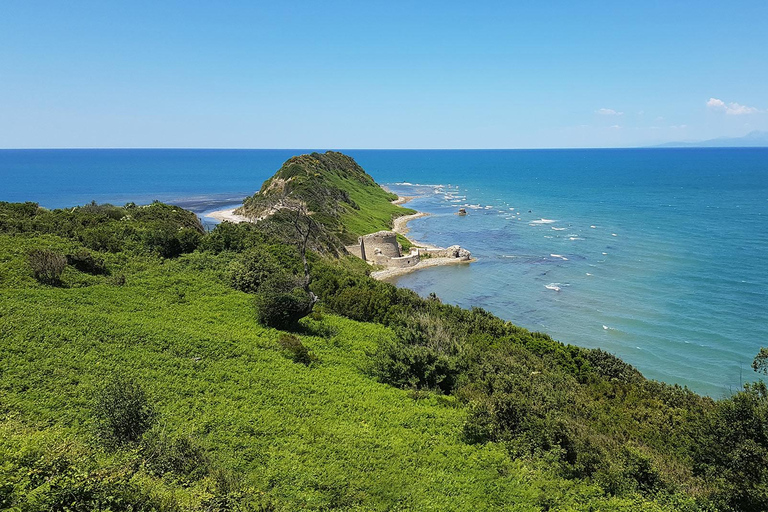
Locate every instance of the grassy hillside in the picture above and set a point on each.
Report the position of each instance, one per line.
(137, 373)
(341, 195)
(289, 436)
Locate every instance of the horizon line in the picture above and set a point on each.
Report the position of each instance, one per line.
(663, 146)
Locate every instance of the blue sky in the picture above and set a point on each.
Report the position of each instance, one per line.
(379, 74)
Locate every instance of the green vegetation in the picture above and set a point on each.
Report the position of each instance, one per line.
(148, 375)
(344, 199)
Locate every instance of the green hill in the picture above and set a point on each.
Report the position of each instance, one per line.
(136, 374)
(339, 193)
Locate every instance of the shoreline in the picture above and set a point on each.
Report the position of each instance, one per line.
(227, 215)
(389, 273)
(400, 226)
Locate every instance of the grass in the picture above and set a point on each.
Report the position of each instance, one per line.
(318, 437)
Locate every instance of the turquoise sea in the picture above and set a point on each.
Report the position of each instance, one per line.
(657, 255)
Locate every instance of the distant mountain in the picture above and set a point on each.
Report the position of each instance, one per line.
(752, 139)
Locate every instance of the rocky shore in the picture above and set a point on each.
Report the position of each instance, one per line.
(400, 226)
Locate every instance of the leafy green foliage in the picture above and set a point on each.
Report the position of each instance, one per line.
(297, 351)
(159, 228)
(279, 307)
(732, 449)
(344, 199)
(180, 456)
(760, 363)
(482, 413)
(122, 411)
(85, 261)
(252, 269)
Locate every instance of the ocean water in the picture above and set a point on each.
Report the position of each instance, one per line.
(659, 256)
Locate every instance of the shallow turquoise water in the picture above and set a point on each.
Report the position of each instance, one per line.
(673, 277)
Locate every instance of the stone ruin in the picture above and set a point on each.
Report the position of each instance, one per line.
(382, 248)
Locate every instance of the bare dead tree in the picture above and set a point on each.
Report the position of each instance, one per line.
(304, 225)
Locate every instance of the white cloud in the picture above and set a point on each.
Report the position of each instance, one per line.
(731, 109)
(615, 127)
(608, 112)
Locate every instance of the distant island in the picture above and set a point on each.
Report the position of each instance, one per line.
(753, 139)
(148, 364)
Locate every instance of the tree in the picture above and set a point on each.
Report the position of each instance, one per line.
(760, 363)
(297, 301)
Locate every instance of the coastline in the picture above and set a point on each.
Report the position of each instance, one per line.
(227, 215)
(400, 226)
(389, 273)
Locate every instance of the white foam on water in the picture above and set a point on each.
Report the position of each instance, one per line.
(558, 229)
(575, 238)
(614, 234)
(593, 227)
(542, 221)
(605, 254)
(552, 286)
(559, 256)
(589, 274)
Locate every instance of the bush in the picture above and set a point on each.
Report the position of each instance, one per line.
(251, 270)
(84, 261)
(282, 310)
(296, 349)
(47, 266)
(122, 412)
(415, 366)
(611, 367)
(163, 241)
(181, 456)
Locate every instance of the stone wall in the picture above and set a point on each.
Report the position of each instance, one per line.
(356, 250)
(404, 261)
(382, 242)
(381, 248)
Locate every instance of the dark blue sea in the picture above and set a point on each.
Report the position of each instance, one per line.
(657, 255)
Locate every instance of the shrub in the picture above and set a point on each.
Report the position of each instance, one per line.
(102, 237)
(181, 456)
(282, 310)
(47, 266)
(84, 261)
(117, 280)
(414, 366)
(611, 367)
(296, 349)
(189, 240)
(251, 270)
(163, 241)
(122, 412)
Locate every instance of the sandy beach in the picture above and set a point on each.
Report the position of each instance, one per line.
(400, 226)
(389, 273)
(228, 215)
(401, 200)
